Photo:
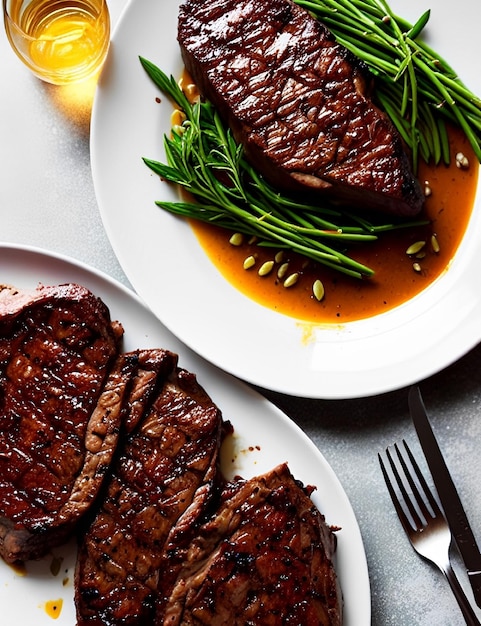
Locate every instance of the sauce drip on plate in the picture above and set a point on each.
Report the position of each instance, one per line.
(53, 608)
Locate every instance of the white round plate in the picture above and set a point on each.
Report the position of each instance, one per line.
(166, 265)
(255, 450)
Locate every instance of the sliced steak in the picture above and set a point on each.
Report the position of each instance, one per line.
(265, 557)
(298, 102)
(58, 348)
(161, 484)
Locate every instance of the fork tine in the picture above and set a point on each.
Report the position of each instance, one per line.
(409, 499)
(406, 523)
(419, 498)
(428, 494)
(402, 500)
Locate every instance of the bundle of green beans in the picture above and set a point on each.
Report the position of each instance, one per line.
(204, 159)
(414, 85)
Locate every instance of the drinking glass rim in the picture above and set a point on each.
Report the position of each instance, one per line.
(26, 35)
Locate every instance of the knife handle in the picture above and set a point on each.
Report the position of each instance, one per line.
(475, 580)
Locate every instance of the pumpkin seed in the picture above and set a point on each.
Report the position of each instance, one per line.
(237, 239)
(318, 290)
(435, 243)
(249, 262)
(291, 280)
(266, 268)
(415, 248)
(282, 271)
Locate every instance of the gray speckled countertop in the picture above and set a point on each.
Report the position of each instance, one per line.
(47, 200)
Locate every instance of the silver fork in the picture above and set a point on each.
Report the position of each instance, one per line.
(422, 519)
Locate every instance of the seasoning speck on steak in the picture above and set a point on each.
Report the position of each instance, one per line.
(298, 101)
(61, 387)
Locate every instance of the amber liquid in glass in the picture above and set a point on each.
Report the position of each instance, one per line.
(67, 40)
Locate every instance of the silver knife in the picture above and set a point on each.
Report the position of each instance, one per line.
(448, 495)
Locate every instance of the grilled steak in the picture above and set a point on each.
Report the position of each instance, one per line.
(162, 481)
(298, 102)
(265, 557)
(124, 449)
(59, 424)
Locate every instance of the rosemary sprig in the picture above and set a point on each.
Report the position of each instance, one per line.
(416, 87)
(204, 159)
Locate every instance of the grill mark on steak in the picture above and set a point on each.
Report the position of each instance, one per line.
(57, 346)
(265, 557)
(298, 101)
(162, 481)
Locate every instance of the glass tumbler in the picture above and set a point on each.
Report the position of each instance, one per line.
(61, 41)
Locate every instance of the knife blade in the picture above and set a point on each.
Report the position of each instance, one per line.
(450, 500)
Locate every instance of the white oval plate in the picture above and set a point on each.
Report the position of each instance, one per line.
(256, 450)
(167, 267)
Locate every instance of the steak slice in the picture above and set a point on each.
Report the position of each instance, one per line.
(59, 424)
(162, 481)
(265, 557)
(298, 101)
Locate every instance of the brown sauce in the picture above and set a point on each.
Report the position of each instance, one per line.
(395, 280)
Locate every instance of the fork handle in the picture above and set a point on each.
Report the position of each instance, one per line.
(464, 604)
